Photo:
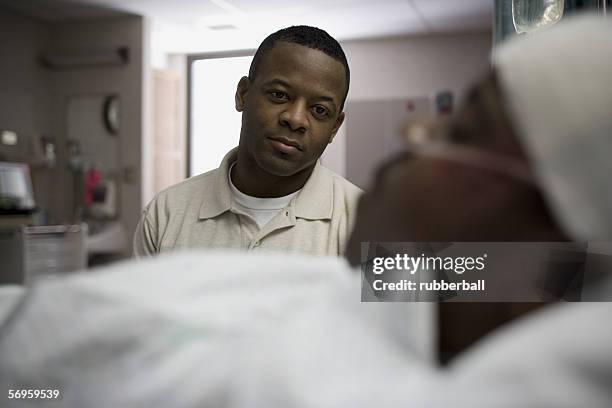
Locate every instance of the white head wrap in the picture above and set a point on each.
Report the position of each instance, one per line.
(558, 88)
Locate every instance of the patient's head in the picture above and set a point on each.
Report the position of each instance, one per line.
(459, 189)
(525, 159)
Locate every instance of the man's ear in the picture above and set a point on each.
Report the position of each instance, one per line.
(337, 125)
(241, 91)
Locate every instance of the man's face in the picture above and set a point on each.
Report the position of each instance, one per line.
(291, 109)
(422, 199)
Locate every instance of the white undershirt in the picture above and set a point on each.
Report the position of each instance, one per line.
(261, 210)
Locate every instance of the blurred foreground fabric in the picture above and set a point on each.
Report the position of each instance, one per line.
(220, 329)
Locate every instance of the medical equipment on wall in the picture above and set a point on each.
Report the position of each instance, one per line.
(523, 17)
(16, 193)
(529, 15)
(100, 195)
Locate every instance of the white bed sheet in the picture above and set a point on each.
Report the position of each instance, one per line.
(173, 331)
(228, 330)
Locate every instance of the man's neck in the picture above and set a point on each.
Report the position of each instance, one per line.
(253, 181)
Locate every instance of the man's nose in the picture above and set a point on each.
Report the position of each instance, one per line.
(295, 116)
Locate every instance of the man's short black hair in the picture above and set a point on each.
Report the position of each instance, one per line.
(307, 36)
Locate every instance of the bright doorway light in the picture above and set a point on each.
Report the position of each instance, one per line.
(215, 124)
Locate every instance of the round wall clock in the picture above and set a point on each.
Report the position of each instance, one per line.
(111, 114)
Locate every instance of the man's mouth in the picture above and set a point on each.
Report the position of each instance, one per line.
(285, 145)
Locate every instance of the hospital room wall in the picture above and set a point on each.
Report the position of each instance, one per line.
(25, 101)
(126, 81)
(408, 67)
(34, 101)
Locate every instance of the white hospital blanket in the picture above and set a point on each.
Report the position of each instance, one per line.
(174, 331)
(557, 358)
(230, 330)
(9, 297)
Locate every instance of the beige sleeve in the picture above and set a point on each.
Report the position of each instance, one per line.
(145, 237)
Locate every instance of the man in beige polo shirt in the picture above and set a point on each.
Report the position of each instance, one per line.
(271, 192)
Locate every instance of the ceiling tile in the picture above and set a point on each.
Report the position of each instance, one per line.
(453, 15)
(184, 24)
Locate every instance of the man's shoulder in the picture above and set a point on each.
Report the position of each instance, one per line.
(186, 190)
(342, 187)
(341, 182)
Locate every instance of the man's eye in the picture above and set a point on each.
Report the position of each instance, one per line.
(320, 110)
(279, 95)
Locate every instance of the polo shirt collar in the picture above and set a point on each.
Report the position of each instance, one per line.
(313, 202)
(217, 196)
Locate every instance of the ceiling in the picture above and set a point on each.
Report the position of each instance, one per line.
(190, 26)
